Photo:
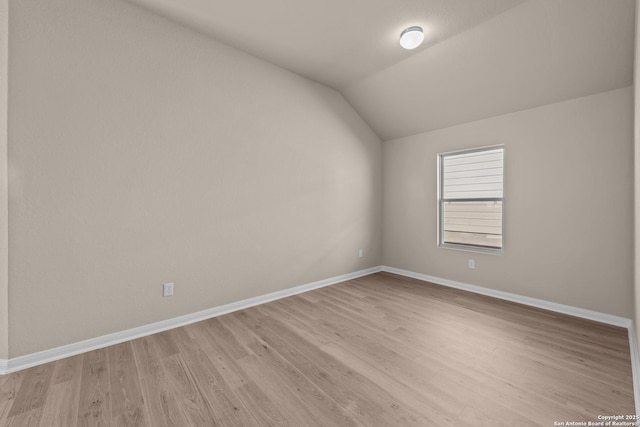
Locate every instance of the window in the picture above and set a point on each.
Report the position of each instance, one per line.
(471, 199)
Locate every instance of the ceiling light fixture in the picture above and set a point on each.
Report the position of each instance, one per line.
(411, 38)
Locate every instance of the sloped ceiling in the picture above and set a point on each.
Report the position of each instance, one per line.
(480, 58)
(536, 54)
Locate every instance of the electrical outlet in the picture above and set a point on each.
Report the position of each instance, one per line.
(472, 264)
(167, 290)
(360, 253)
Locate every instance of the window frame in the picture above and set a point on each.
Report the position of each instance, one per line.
(441, 202)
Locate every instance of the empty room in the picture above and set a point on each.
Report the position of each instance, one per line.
(319, 213)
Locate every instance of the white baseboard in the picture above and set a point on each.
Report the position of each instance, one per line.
(533, 302)
(46, 356)
(635, 366)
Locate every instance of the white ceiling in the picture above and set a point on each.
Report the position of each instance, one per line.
(334, 42)
(480, 57)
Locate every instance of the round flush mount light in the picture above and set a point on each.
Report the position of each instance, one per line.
(411, 38)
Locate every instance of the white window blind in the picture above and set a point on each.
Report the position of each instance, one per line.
(471, 198)
(473, 175)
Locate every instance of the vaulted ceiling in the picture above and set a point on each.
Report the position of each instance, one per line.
(480, 58)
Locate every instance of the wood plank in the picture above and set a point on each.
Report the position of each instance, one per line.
(158, 394)
(9, 386)
(61, 406)
(127, 404)
(294, 410)
(94, 406)
(337, 379)
(30, 418)
(227, 409)
(33, 390)
(189, 400)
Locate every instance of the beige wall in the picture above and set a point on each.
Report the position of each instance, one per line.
(4, 189)
(568, 203)
(142, 153)
(636, 79)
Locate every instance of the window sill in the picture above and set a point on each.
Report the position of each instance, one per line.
(475, 249)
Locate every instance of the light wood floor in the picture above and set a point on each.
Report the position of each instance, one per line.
(382, 350)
